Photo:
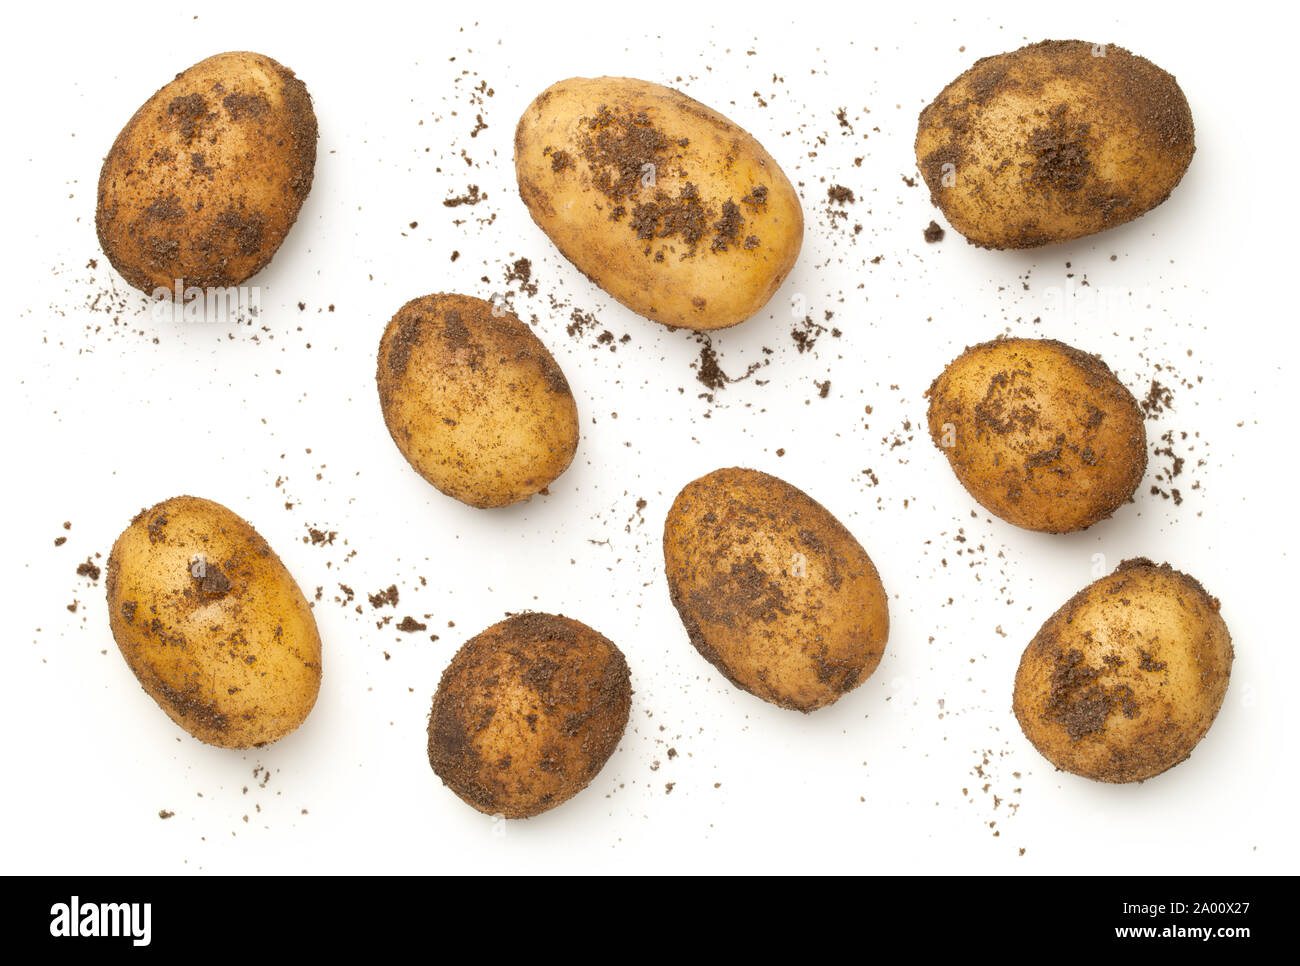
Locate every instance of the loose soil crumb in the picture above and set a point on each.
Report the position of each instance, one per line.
(472, 196)
(383, 597)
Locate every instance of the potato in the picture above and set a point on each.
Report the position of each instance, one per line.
(527, 713)
(773, 590)
(1053, 142)
(662, 202)
(1123, 681)
(212, 624)
(474, 401)
(207, 178)
(1041, 434)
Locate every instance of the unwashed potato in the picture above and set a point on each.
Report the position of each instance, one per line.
(527, 713)
(664, 203)
(1040, 433)
(1052, 142)
(773, 590)
(207, 178)
(474, 401)
(212, 624)
(1123, 681)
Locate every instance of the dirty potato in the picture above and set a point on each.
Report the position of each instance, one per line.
(1123, 681)
(474, 400)
(212, 624)
(773, 590)
(1041, 434)
(207, 178)
(661, 201)
(1053, 142)
(527, 713)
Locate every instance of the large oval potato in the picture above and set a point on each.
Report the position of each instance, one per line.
(773, 590)
(527, 713)
(1122, 682)
(208, 176)
(212, 624)
(664, 203)
(1040, 433)
(474, 400)
(1052, 142)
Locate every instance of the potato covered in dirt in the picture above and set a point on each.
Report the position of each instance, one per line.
(474, 400)
(212, 624)
(1123, 681)
(1052, 142)
(773, 590)
(664, 203)
(1041, 434)
(207, 178)
(527, 713)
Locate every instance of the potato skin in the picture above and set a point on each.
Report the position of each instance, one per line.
(1122, 682)
(1050, 143)
(1041, 434)
(232, 657)
(773, 590)
(704, 245)
(474, 400)
(527, 713)
(208, 176)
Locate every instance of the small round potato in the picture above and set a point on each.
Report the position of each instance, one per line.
(1123, 681)
(1053, 142)
(207, 178)
(212, 624)
(773, 590)
(661, 201)
(1041, 434)
(474, 400)
(527, 713)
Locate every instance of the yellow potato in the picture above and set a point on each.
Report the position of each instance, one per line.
(527, 713)
(773, 590)
(1123, 681)
(1041, 434)
(212, 624)
(664, 203)
(208, 176)
(1053, 142)
(474, 400)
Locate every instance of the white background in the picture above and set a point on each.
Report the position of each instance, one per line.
(108, 411)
